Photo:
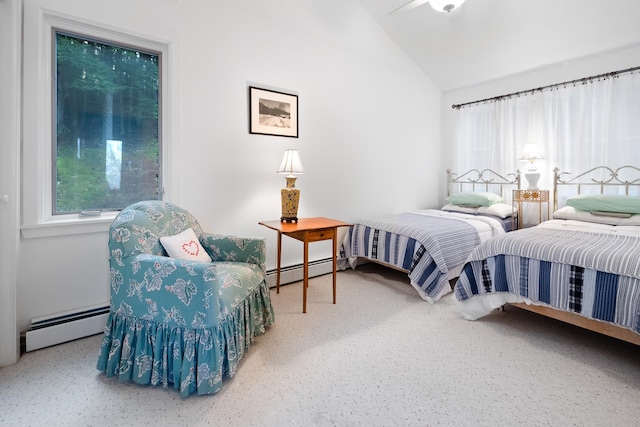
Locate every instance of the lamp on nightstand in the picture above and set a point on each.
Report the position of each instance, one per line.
(532, 175)
(291, 165)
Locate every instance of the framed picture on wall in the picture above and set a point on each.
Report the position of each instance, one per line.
(273, 113)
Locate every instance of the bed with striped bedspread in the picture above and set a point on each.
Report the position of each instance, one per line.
(429, 244)
(589, 269)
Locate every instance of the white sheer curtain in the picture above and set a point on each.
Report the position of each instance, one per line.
(576, 127)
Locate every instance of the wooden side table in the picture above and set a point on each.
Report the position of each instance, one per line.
(307, 230)
(530, 196)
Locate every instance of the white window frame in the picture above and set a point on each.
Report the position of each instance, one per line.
(37, 155)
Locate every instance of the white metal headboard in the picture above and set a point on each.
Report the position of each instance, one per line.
(483, 180)
(602, 179)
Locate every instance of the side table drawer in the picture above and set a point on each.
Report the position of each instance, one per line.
(317, 235)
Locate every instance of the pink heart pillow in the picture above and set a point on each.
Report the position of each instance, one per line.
(185, 245)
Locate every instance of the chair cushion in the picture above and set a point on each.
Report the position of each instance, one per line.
(185, 245)
(237, 280)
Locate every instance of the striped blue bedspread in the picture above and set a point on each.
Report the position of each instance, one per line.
(424, 243)
(592, 273)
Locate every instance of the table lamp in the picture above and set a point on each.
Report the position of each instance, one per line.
(532, 175)
(291, 166)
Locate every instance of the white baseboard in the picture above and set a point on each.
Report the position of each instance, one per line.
(63, 327)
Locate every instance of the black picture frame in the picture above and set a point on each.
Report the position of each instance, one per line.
(273, 113)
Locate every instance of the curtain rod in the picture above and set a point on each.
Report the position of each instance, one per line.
(584, 81)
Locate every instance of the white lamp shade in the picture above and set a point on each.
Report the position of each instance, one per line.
(531, 153)
(291, 163)
(445, 5)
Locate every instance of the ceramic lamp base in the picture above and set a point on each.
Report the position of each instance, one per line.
(290, 197)
(532, 179)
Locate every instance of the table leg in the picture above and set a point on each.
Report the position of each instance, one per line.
(335, 260)
(279, 259)
(305, 283)
(540, 213)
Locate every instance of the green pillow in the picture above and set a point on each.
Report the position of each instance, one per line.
(605, 203)
(470, 198)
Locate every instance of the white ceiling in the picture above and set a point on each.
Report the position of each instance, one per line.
(485, 40)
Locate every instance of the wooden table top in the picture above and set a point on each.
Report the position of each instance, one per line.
(304, 224)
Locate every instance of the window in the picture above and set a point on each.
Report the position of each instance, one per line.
(576, 127)
(58, 128)
(106, 125)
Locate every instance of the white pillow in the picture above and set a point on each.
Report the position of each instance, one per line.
(569, 212)
(456, 208)
(501, 210)
(185, 245)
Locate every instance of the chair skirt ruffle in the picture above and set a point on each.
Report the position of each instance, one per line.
(191, 360)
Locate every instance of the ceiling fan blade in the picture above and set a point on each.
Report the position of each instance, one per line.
(408, 6)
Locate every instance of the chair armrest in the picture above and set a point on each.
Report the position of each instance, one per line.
(165, 290)
(234, 248)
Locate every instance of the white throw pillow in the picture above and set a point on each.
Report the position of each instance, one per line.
(569, 212)
(450, 207)
(185, 245)
(501, 210)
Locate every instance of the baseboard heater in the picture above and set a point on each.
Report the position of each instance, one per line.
(59, 328)
(62, 327)
(295, 273)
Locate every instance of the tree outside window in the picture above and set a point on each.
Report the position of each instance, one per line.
(107, 121)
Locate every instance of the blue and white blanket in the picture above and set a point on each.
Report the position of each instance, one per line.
(429, 244)
(592, 270)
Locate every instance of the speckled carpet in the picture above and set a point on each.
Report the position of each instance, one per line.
(380, 357)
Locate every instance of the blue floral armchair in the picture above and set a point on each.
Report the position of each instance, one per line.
(178, 322)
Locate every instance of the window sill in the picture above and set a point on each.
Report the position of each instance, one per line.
(67, 227)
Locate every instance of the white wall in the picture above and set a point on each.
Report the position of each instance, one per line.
(369, 127)
(547, 75)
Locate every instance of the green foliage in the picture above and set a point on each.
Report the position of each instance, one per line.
(104, 92)
(78, 185)
(81, 182)
(89, 69)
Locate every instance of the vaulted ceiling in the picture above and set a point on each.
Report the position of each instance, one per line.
(485, 40)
